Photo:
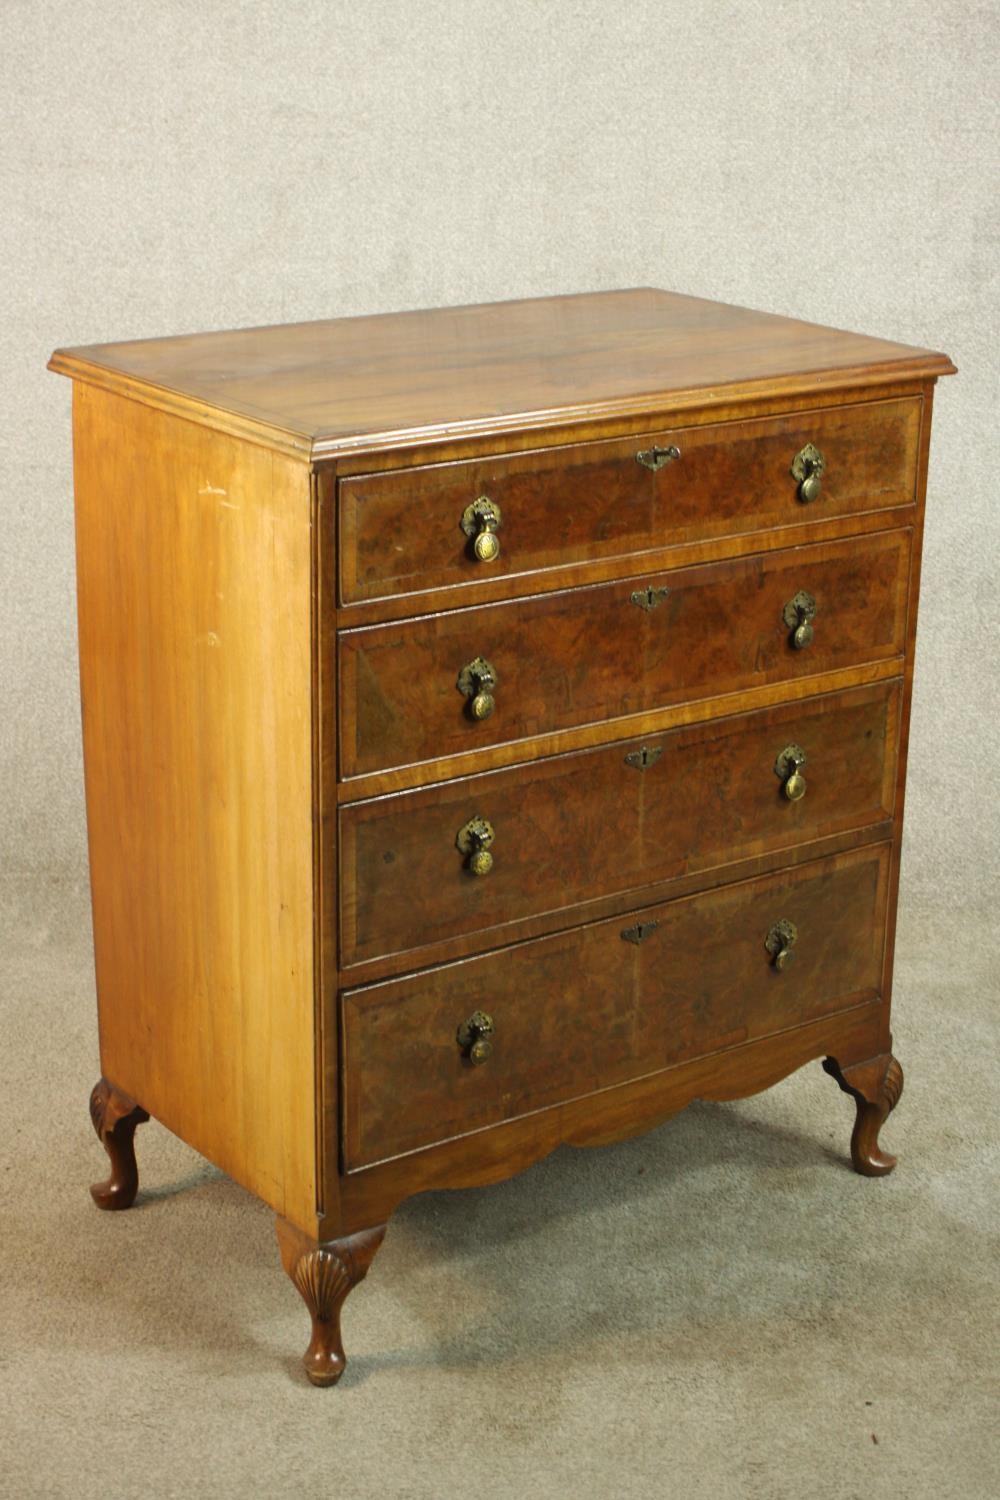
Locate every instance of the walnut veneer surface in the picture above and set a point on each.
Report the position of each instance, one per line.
(495, 727)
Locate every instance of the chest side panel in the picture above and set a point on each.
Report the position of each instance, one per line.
(194, 568)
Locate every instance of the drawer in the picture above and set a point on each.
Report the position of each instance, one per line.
(679, 803)
(401, 530)
(585, 655)
(604, 1004)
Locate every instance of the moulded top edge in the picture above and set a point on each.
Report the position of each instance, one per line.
(339, 386)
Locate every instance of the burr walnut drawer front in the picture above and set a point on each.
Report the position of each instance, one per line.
(421, 868)
(466, 679)
(435, 1055)
(432, 526)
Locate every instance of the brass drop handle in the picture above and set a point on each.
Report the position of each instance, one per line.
(780, 940)
(477, 681)
(480, 521)
(798, 614)
(474, 840)
(788, 767)
(807, 467)
(475, 1037)
(655, 458)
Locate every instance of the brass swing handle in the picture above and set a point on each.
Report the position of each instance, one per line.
(807, 467)
(788, 767)
(475, 1037)
(478, 681)
(474, 841)
(781, 939)
(480, 521)
(798, 614)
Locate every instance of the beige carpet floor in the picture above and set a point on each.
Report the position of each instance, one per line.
(717, 1309)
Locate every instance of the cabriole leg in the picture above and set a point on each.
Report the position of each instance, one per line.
(875, 1087)
(115, 1118)
(324, 1273)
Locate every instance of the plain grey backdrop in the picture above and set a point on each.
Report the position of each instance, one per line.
(719, 1309)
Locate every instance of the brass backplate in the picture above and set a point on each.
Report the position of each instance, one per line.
(479, 674)
(481, 513)
(792, 758)
(799, 609)
(809, 460)
(781, 934)
(477, 833)
(479, 1024)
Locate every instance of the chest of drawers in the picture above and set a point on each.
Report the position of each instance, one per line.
(495, 728)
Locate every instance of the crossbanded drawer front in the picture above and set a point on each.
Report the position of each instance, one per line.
(438, 1054)
(402, 530)
(420, 868)
(410, 690)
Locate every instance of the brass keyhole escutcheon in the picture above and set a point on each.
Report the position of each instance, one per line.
(478, 681)
(639, 933)
(807, 467)
(475, 1037)
(781, 939)
(798, 614)
(648, 598)
(474, 840)
(644, 757)
(788, 767)
(481, 521)
(655, 458)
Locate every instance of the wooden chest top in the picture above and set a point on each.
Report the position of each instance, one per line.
(327, 388)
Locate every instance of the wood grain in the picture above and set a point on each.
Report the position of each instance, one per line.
(617, 1113)
(710, 797)
(614, 903)
(585, 1010)
(572, 573)
(360, 384)
(590, 655)
(743, 405)
(400, 530)
(628, 727)
(194, 567)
